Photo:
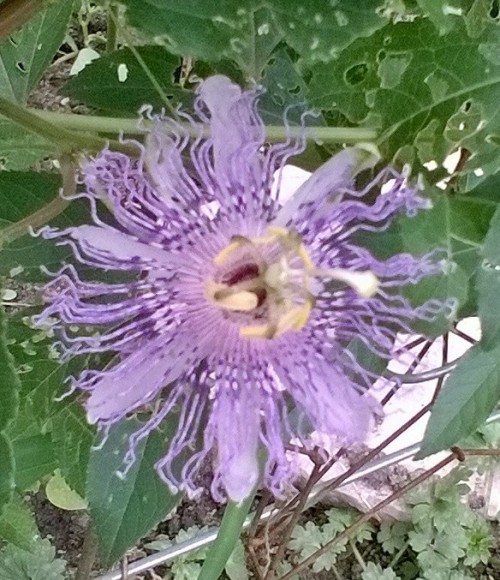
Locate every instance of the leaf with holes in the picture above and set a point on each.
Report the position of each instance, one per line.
(128, 93)
(458, 225)
(320, 30)
(469, 395)
(27, 52)
(424, 92)
(247, 31)
(206, 30)
(124, 509)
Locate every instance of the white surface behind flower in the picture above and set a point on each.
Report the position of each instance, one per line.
(365, 493)
(408, 400)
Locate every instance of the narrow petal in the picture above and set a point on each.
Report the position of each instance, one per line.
(132, 383)
(326, 396)
(232, 121)
(235, 416)
(334, 175)
(236, 137)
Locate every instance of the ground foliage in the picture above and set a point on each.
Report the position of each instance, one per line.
(422, 77)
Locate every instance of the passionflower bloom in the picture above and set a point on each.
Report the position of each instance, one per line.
(238, 308)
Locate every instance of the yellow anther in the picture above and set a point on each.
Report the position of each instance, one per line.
(260, 331)
(272, 233)
(242, 301)
(293, 319)
(304, 256)
(224, 254)
(278, 232)
(303, 316)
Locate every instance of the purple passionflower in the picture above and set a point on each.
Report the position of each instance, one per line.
(240, 307)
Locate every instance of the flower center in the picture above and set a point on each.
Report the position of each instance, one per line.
(268, 279)
(268, 282)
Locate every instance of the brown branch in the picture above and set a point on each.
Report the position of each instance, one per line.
(47, 212)
(34, 220)
(15, 13)
(287, 532)
(89, 554)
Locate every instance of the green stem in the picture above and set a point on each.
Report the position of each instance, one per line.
(111, 30)
(273, 132)
(399, 554)
(356, 554)
(229, 533)
(67, 141)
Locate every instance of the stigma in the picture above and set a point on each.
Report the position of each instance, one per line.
(266, 283)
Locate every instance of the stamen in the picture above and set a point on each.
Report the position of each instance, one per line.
(261, 331)
(273, 232)
(236, 243)
(304, 255)
(364, 283)
(288, 303)
(242, 301)
(294, 319)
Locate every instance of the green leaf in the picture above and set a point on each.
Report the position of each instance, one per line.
(469, 395)
(489, 286)
(124, 509)
(247, 31)
(34, 458)
(73, 438)
(256, 47)
(417, 88)
(491, 250)
(110, 93)
(458, 225)
(320, 30)
(9, 381)
(60, 494)
(9, 397)
(17, 523)
(39, 563)
(206, 30)
(489, 306)
(20, 149)
(26, 53)
(7, 472)
(21, 195)
(227, 539)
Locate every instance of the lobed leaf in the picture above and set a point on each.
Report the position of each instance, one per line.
(17, 523)
(427, 93)
(247, 31)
